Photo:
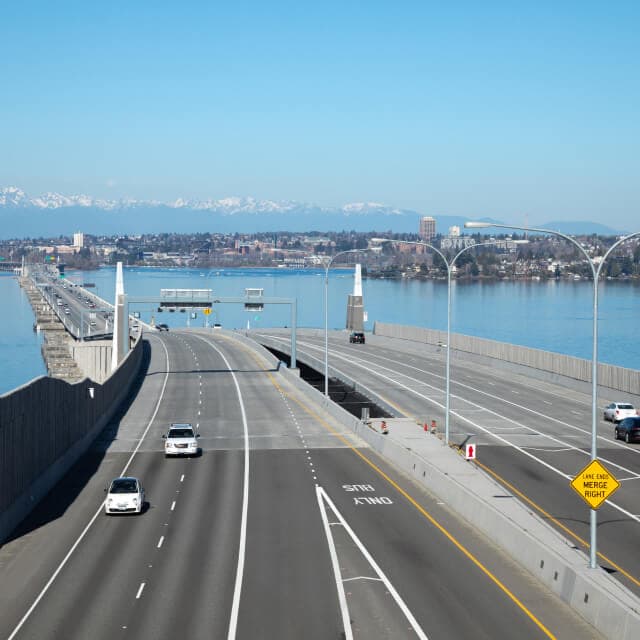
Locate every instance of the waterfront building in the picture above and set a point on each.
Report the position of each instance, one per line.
(78, 240)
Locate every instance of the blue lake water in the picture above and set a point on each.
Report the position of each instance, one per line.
(19, 345)
(555, 316)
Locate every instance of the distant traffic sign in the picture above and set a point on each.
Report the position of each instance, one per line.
(595, 484)
(206, 311)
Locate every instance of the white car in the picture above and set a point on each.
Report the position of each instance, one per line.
(617, 411)
(124, 495)
(181, 440)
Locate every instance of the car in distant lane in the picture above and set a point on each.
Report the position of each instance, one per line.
(617, 411)
(356, 337)
(629, 429)
(181, 440)
(162, 327)
(124, 495)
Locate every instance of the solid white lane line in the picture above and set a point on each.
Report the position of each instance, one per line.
(323, 497)
(366, 365)
(337, 575)
(490, 433)
(160, 541)
(98, 511)
(140, 590)
(235, 607)
(377, 372)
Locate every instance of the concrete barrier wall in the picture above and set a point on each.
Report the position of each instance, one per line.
(609, 376)
(94, 358)
(45, 426)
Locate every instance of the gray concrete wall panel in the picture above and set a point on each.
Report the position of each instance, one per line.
(94, 358)
(45, 427)
(578, 369)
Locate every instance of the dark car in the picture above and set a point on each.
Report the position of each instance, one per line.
(162, 327)
(356, 337)
(628, 429)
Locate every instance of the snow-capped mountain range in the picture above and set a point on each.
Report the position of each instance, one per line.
(15, 197)
(54, 214)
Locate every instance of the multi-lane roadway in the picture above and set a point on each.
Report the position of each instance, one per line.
(284, 527)
(532, 436)
(81, 312)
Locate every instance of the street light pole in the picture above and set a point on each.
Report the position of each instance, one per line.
(327, 266)
(450, 264)
(595, 271)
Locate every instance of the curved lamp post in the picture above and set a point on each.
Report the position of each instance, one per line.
(450, 264)
(327, 266)
(595, 271)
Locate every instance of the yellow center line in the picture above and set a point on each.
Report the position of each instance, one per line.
(559, 524)
(410, 499)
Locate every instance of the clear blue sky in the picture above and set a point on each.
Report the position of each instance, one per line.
(470, 108)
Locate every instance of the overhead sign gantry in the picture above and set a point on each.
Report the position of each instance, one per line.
(192, 299)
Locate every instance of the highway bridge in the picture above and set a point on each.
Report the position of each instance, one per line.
(532, 436)
(14, 267)
(84, 315)
(288, 525)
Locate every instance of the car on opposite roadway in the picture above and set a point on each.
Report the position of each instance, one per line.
(162, 327)
(124, 495)
(617, 411)
(356, 337)
(629, 429)
(181, 440)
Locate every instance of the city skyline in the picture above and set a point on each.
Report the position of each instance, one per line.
(467, 110)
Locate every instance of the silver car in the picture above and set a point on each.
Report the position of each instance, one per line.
(617, 411)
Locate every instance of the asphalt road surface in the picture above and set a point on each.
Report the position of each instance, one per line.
(81, 319)
(285, 527)
(532, 436)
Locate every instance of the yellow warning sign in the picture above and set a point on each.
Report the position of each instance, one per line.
(206, 311)
(595, 484)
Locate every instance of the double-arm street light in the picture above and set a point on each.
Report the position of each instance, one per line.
(327, 265)
(450, 264)
(595, 271)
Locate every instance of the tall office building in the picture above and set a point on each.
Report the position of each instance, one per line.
(427, 228)
(78, 240)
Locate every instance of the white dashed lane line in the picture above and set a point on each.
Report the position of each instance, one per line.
(301, 436)
(173, 505)
(140, 590)
(160, 541)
